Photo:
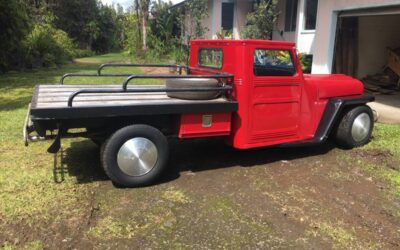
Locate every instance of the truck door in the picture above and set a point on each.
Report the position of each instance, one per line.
(276, 93)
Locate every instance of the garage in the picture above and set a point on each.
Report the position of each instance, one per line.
(367, 46)
(363, 38)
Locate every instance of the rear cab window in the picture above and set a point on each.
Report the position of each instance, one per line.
(273, 63)
(210, 58)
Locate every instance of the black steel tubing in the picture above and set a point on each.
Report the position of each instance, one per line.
(179, 67)
(132, 77)
(90, 75)
(208, 71)
(96, 91)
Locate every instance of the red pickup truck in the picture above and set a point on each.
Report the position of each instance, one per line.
(251, 92)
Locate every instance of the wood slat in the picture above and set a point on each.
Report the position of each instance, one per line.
(101, 95)
(123, 103)
(65, 88)
(105, 98)
(56, 96)
(55, 86)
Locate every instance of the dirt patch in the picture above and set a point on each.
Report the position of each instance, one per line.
(154, 71)
(60, 229)
(378, 157)
(216, 197)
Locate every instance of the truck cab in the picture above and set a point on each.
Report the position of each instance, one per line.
(277, 103)
(252, 93)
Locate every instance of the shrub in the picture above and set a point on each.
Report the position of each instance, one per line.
(46, 46)
(79, 53)
(14, 25)
(181, 54)
(64, 43)
(261, 22)
(306, 62)
(131, 32)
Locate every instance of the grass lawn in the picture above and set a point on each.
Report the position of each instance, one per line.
(106, 58)
(386, 140)
(30, 186)
(43, 198)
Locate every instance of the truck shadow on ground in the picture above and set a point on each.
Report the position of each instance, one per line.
(206, 154)
(82, 158)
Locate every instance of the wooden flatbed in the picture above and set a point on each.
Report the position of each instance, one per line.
(97, 111)
(51, 102)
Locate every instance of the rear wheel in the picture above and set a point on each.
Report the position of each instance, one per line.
(355, 127)
(135, 155)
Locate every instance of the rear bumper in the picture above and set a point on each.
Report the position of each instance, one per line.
(25, 131)
(28, 129)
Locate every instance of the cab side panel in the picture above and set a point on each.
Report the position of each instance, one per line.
(269, 106)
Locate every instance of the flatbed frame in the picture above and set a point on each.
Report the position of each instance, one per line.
(51, 102)
(72, 106)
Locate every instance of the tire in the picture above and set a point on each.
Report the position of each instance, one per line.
(135, 156)
(355, 127)
(193, 83)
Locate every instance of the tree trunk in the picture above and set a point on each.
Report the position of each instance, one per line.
(142, 9)
(144, 32)
(137, 9)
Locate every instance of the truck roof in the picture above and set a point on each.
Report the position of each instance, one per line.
(243, 42)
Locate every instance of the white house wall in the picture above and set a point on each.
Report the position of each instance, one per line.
(242, 8)
(213, 21)
(208, 22)
(305, 38)
(279, 32)
(326, 28)
(215, 16)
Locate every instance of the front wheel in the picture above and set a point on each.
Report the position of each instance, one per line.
(355, 127)
(135, 155)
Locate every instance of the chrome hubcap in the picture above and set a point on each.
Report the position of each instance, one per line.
(361, 127)
(137, 156)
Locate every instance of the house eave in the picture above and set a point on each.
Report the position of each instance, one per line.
(178, 5)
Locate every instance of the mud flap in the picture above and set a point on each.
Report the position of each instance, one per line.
(56, 145)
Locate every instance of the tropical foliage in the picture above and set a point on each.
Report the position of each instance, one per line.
(43, 33)
(195, 11)
(14, 25)
(36, 33)
(261, 22)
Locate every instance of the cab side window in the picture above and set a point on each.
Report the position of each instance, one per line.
(273, 63)
(210, 58)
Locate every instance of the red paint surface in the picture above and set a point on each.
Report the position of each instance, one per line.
(191, 125)
(272, 109)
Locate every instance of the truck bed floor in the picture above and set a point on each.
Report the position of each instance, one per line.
(51, 102)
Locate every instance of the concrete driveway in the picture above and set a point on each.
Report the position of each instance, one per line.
(387, 107)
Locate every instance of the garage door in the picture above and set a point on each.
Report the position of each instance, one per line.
(391, 10)
(354, 36)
